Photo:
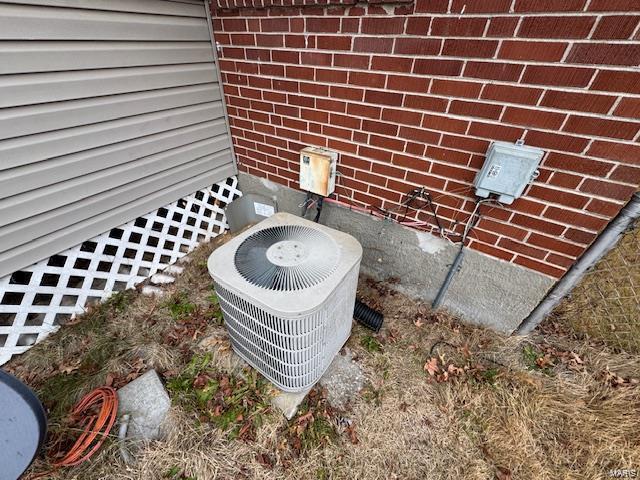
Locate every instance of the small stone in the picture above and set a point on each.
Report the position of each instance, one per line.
(162, 279)
(173, 270)
(151, 291)
(147, 403)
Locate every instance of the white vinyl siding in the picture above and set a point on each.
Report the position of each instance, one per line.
(108, 109)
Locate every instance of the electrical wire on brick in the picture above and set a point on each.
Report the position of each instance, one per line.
(474, 219)
(419, 194)
(428, 201)
(471, 223)
(407, 203)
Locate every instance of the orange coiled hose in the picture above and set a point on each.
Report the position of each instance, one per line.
(97, 426)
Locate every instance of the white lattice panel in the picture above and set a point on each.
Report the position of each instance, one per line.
(35, 301)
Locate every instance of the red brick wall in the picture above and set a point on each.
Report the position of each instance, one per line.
(412, 94)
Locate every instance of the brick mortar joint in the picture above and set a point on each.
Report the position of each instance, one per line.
(237, 5)
(538, 200)
(460, 117)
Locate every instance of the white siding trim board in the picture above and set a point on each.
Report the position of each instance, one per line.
(44, 199)
(42, 146)
(20, 22)
(28, 120)
(158, 7)
(29, 89)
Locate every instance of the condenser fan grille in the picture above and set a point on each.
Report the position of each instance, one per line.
(287, 257)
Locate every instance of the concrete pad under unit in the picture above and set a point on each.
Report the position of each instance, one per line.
(288, 402)
(342, 380)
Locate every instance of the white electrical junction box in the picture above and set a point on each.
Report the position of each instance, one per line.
(318, 170)
(507, 170)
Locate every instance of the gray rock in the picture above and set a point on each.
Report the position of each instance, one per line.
(147, 402)
(288, 402)
(173, 270)
(161, 279)
(152, 291)
(343, 380)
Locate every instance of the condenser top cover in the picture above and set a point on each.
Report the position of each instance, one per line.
(285, 263)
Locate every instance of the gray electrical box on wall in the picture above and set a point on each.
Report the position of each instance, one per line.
(507, 170)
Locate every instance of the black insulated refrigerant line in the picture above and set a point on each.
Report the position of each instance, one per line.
(367, 316)
(319, 205)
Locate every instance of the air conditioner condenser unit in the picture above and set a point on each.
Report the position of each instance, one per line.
(287, 290)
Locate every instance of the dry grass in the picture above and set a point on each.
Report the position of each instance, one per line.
(547, 407)
(605, 306)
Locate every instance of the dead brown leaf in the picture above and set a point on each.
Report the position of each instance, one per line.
(431, 366)
(544, 361)
(245, 431)
(201, 380)
(265, 460)
(306, 417)
(453, 370)
(465, 350)
(69, 367)
(393, 335)
(74, 321)
(503, 473)
(614, 380)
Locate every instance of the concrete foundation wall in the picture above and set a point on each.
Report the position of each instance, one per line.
(486, 291)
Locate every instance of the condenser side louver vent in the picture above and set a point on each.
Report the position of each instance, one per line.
(287, 290)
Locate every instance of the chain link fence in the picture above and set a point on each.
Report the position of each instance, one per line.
(605, 306)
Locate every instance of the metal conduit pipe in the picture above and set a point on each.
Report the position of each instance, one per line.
(455, 267)
(605, 242)
(457, 261)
